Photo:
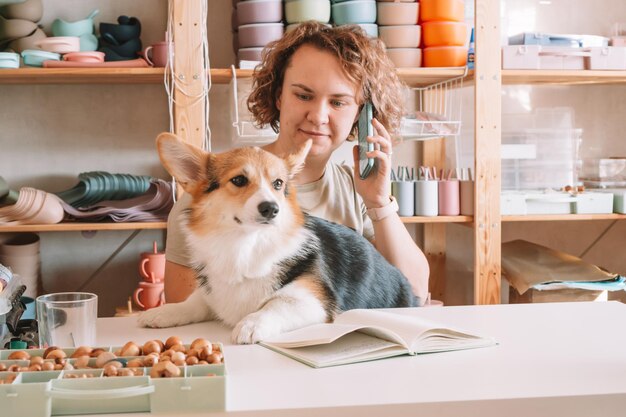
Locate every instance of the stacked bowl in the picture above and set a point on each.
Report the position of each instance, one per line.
(444, 33)
(20, 252)
(19, 31)
(360, 12)
(256, 23)
(70, 41)
(398, 29)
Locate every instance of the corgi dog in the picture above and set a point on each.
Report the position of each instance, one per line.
(263, 266)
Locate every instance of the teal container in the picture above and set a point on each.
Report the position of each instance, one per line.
(9, 60)
(35, 57)
(78, 28)
(360, 11)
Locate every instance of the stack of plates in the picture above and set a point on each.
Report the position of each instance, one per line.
(20, 252)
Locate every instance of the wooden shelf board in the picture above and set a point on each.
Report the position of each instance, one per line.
(562, 217)
(438, 219)
(565, 77)
(77, 227)
(414, 77)
(81, 76)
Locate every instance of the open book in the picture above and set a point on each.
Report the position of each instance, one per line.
(363, 335)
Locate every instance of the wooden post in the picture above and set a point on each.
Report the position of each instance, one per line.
(434, 154)
(189, 107)
(487, 222)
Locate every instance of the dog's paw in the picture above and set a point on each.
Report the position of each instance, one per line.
(163, 316)
(254, 328)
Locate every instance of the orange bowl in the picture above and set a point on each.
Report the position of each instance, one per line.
(450, 10)
(444, 33)
(445, 56)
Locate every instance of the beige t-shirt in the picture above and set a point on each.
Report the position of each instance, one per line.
(332, 197)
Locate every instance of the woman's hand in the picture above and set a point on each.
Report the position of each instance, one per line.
(376, 188)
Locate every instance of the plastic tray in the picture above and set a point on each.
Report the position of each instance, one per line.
(533, 202)
(46, 393)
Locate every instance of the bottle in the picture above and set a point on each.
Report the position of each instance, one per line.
(470, 52)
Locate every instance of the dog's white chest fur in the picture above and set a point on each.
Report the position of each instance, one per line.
(242, 269)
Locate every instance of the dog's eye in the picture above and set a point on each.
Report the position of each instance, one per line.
(278, 184)
(239, 181)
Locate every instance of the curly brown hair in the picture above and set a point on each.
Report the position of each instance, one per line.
(362, 58)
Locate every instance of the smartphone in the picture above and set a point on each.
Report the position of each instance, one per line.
(365, 128)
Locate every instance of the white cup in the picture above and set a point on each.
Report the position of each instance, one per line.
(404, 193)
(67, 319)
(426, 198)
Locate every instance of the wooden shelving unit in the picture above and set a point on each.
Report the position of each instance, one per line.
(486, 81)
(79, 227)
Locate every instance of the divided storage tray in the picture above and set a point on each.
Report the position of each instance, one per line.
(200, 388)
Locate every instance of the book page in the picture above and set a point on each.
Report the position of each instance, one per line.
(419, 335)
(324, 333)
(350, 348)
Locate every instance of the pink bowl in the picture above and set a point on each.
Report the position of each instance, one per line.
(400, 36)
(405, 57)
(60, 44)
(397, 13)
(249, 54)
(259, 34)
(259, 11)
(90, 56)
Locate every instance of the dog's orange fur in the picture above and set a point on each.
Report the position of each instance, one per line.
(255, 164)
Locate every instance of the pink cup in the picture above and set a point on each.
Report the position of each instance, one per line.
(152, 266)
(449, 204)
(157, 54)
(149, 295)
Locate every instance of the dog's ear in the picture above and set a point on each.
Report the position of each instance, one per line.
(185, 162)
(295, 161)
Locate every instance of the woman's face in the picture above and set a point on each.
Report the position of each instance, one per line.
(317, 101)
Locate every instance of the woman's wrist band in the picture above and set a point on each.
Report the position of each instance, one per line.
(379, 213)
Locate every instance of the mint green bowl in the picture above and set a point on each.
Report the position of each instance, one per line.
(35, 57)
(297, 11)
(9, 60)
(360, 11)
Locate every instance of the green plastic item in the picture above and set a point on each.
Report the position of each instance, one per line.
(18, 344)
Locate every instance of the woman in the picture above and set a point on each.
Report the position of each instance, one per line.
(312, 84)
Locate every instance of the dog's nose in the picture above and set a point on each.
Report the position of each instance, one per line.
(268, 209)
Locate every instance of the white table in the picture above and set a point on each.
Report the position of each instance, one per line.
(557, 359)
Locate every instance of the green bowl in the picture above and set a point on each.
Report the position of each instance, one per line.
(9, 60)
(35, 58)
